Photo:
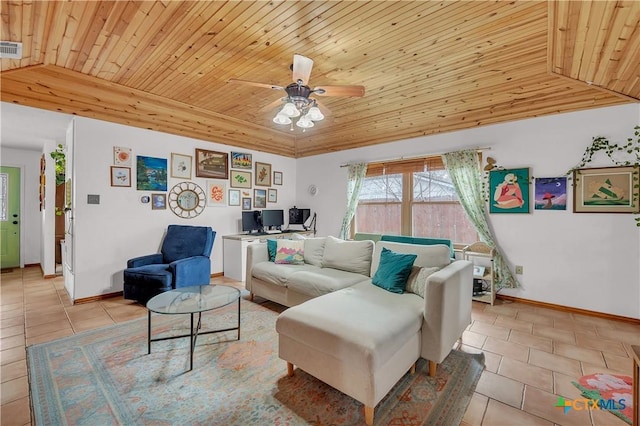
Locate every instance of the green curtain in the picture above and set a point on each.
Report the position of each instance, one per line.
(464, 169)
(357, 172)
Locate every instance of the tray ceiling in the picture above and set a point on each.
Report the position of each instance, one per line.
(427, 67)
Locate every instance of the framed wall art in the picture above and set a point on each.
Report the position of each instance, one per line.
(120, 176)
(181, 166)
(240, 179)
(277, 178)
(551, 193)
(121, 156)
(241, 160)
(259, 198)
(272, 195)
(151, 173)
(246, 203)
(234, 197)
(216, 193)
(263, 174)
(158, 201)
(607, 190)
(212, 164)
(509, 191)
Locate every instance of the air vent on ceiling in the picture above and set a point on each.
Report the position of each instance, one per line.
(10, 50)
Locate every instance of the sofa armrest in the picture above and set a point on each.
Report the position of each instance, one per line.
(190, 271)
(447, 311)
(256, 253)
(149, 259)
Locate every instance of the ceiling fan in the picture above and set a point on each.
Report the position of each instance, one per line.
(298, 102)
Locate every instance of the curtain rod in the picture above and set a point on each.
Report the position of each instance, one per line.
(485, 148)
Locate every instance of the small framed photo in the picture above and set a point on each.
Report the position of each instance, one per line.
(120, 176)
(246, 203)
(272, 195)
(212, 164)
(263, 174)
(216, 193)
(241, 160)
(121, 156)
(240, 179)
(277, 178)
(181, 166)
(234, 197)
(159, 201)
(478, 271)
(607, 190)
(260, 198)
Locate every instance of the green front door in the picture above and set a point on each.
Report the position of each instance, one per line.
(9, 217)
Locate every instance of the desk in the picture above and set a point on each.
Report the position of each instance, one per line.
(235, 250)
(635, 352)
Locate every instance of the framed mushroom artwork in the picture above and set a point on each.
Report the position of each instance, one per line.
(551, 193)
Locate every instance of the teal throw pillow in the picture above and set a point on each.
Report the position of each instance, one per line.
(393, 270)
(272, 247)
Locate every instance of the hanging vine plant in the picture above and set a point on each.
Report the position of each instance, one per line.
(620, 154)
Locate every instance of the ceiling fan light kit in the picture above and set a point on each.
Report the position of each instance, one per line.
(298, 103)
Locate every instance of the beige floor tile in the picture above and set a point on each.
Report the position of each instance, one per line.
(554, 362)
(92, 323)
(570, 325)
(581, 354)
(554, 333)
(47, 337)
(490, 330)
(507, 349)
(47, 328)
(593, 369)
(563, 386)
(619, 363)
(620, 335)
(499, 414)
(5, 315)
(535, 318)
(501, 388)
(16, 413)
(556, 314)
(483, 317)
(613, 347)
(473, 339)
(12, 342)
(527, 374)
(606, 418)
(492, 361)
(502, 310)
(11, 307)
(475, 411)
(514, 324)
(544, 404)
(13, 390)
(14, 331)
(13, 370)
(12, 355)
(33, 319)
(537, 342)
(97, 311)
(12, 322)
(626, 326)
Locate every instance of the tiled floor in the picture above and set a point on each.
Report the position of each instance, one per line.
(532, 354)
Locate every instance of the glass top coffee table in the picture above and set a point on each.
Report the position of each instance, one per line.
(192, 300)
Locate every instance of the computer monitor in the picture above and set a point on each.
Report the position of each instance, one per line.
(298, 216)
(272, 218)
(251, 221)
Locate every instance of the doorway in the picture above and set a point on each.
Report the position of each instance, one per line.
(9, 217)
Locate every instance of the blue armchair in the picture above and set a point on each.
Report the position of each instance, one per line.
(183, 261)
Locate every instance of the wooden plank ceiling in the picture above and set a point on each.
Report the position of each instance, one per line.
(427, 67)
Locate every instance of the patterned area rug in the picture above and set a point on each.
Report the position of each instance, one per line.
(611, 392)
(105, 377)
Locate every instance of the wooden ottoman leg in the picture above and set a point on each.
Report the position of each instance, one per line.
(413, 368)
(251, 297)
(432, 368)
(368, 415)
(289, 369)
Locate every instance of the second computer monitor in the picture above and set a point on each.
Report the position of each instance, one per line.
(272, 218)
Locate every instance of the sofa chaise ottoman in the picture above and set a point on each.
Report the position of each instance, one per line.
(362, 339)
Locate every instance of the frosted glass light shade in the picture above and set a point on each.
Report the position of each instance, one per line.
(281, 119)
(305, 122)
(315, 114)
(290, 110)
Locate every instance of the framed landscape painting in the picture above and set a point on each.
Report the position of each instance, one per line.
(509, 191)
(151, 173)
(607, 190)
(246, 203)
(241, 160)
(212, 164)
(272, 196)
(259, 198)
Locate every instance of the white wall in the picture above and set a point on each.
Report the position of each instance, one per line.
(121, 227)
(31, 221)
(587, 261)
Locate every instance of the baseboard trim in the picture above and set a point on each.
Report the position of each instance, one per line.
(569, 309)
(97, 298)
(217, 274)
(48, 277)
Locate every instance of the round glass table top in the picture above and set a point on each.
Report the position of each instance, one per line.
(188, 300)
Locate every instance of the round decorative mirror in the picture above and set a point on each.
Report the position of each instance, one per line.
(187, 200)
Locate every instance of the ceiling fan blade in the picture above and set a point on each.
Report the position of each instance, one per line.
(353, 91)
(254, 83)
(302, 68)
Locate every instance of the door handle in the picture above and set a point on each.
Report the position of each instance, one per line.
(15, 215)
(15, 222)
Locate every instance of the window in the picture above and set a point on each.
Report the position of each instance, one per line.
(412, 197)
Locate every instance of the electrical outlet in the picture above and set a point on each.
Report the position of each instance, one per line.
(519, 269)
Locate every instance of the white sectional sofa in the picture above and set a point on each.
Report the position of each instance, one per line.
(353, 335)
